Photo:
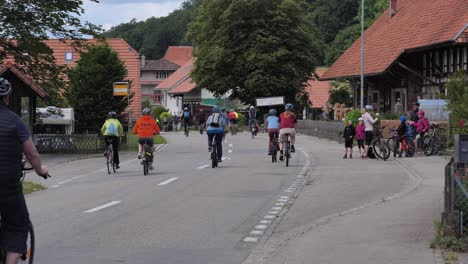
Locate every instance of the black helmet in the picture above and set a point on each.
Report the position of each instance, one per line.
(5, 87)
(112, 114)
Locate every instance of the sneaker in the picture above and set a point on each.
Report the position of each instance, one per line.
(351, 156)
(281, 157)
(269, 153)
(117, 166)
(220, 160)
(345, 157)
(150, 167)
(139, 156)
(293, 149)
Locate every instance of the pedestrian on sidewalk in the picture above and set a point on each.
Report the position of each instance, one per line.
(361, 136)
(349, 133)
(369, 124)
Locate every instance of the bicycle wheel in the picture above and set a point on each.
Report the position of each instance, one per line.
(394, 146)
(428, 146)
(381, 150)
(145, 167)
(436, 145)
(30, 247)
(411, 148)
(214, 158)
(273, 152)
(108, 161)
(287, 153)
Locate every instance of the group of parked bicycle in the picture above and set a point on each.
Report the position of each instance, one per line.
(414, 136)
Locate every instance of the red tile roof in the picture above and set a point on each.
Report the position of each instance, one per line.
(179, 54)
(25, 78)
(417, 23)
(160, 65)
(179, 82)
(319, 91)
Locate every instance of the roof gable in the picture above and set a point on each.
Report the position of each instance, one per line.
(160, 65)
(179, 54)
(417, 23)
(318, 91)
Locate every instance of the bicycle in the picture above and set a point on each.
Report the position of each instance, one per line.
(214, 153)
(109, 154)
(431, 144)
(287, 149)
(406, 145)
(186, 129)
(147, 158)
(233, 129)
(381, 149)
(31, 241)
(274, 147)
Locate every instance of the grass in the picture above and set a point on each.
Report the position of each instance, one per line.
(30, 187)
(133, 141)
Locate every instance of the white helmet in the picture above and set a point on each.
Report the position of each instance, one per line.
(252, 107)
(369, 107)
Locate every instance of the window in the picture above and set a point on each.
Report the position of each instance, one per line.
(161, 75)
(69, 56)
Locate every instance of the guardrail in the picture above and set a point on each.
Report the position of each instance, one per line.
(324, 129)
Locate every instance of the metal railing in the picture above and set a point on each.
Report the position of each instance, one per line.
(76, 143)
(456, 193)
(324, 129)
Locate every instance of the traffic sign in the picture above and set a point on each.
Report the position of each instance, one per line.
(268, 101)
(121, 88)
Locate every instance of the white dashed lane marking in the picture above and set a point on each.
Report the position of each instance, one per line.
(102, 207)
(168, 181)
(203, 167)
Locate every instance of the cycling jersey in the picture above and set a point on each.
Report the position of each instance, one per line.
(146, 127)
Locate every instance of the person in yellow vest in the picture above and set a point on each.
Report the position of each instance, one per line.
(112, 130)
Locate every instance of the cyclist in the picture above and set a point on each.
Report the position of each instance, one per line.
(287, 125)
(233, 120)
(252, 117)
(15, 140)
(422, 126)
(112, 130)
(369, 124)
(272, 127)
(186, 117)
(201, 120)
(146, 127)
(215, 130)
(226, 121)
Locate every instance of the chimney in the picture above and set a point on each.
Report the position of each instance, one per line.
(143, 61)
(393, 7)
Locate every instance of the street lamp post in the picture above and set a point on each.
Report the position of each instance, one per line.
(362, 54)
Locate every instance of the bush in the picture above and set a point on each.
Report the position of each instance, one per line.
(158, 110)
(354, 115)
(241, 120)
(165, 114)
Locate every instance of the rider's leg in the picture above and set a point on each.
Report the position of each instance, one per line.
(12, 258)
(140, 147)
(219, 144)
(115, 148)
(210, 140)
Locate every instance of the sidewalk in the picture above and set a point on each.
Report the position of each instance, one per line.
(395, 228)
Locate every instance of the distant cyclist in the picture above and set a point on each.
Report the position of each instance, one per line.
(146, 127)
(215, 130)
(252, 117)
(112, 130)
(201, 121)
(15, 140)
(226, 122)
(288, 124)
(187, 116)
(272, 127)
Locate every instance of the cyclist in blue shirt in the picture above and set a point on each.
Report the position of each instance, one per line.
(215, 130)
(272, 127)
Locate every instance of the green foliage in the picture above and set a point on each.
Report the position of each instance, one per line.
(153, 36)
(447, 242)
(145, 104)
(165, 114)
(254, 48)
(354, 116)
(340, 93)
(458, 95)
(90, 90)
(133, 141)
(158, 110)
(30, 187)
(242, 121)
(24, 25)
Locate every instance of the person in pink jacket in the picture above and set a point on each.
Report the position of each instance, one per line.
(422, 126)
(361, 135)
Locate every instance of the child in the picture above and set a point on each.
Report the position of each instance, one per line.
(349, 134)
(401, 131)
(361, 135)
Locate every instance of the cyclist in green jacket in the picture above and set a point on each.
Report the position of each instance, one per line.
(112, 130)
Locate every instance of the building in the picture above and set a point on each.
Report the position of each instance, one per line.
(318, 91)
(410, 53)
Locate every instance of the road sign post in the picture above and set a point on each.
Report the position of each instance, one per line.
(270, 101)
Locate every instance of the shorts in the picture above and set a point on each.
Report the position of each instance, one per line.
(369, 136)
(360, 143)
(420, 135)
(348, 143)
(233, 121)
(15, 224)
(284, 131)
(148, 141)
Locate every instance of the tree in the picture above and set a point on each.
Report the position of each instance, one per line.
(341, 93)
(254, 48)
(24, 25)
(457, 95)
(90, 90)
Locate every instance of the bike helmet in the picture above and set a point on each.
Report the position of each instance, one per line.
(112, 114)
(216, 109)
(186, 109)
(369, 107)
(252, 107)
(421, 113)
(272, 112)
(403, 118)
(5, 87)
(146, 111)
(289, 107)
(361, 119)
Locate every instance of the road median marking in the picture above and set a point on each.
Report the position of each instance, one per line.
(203, 167)
(102, 207)
(168, 181)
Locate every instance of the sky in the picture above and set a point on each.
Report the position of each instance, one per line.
(110, 13)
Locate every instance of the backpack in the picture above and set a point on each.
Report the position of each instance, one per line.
(409, 131)
(370, 153)
(186, 114)
(111, 129)
(232, 116)
(215, 120)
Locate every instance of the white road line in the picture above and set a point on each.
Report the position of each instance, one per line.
(261, 227)
(273, 212)
(276, 208)
(102, 207)
(230, 151)
(279, 204)
(60, 183)
(251, 239)
(168, 181)
(230, 145)
(265, 222)
(55, 186)
(225, 158)
(256, 232)
(284, 197)
(203, 167)
(270, 217)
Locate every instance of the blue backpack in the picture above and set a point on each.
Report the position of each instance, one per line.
(186, 114)
(111, 130)
(409, 131)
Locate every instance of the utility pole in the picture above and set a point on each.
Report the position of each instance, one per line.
(362, 54)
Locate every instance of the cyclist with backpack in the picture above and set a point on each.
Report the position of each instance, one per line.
(146, 127)
(272, 127)
(215, 130)
(112, 130)
(287, 125)
(186, 115)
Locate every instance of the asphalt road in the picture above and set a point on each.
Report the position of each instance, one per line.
(184, 212)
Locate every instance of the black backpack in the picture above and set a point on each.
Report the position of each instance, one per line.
(216, 120)
(371, 154)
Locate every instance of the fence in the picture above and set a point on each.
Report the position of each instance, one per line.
(76, 143)
(456, 194)
(324, 129)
